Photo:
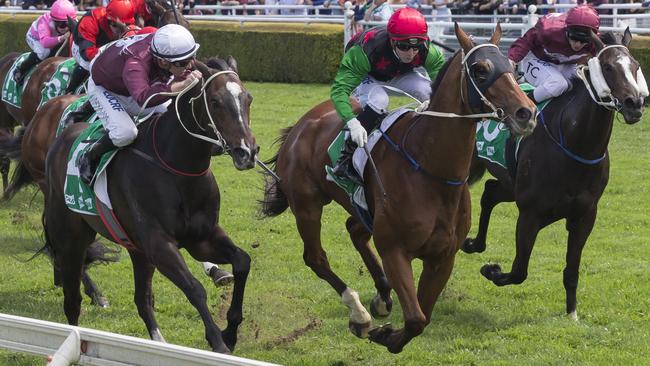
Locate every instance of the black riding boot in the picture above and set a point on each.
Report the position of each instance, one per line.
(89, 160)
(343, 168)
(80, 115)
(21, 71)
(370, 118)
(79, 75)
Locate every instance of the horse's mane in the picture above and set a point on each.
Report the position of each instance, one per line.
(217, 63)
(441, 73)
(610, 38)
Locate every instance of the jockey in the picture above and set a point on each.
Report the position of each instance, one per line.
(46, 35)
(398, 55)
(95, 29)
(548, 53)
(125, 75)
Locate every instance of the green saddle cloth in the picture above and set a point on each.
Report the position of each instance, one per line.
(11, 92)
(334, 152)
(59, 81)
(79, 196)
(491, 135)
(73, 107)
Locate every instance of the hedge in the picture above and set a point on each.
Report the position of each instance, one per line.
(293, 53)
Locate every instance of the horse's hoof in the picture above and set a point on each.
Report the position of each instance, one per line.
(469, 246)
(490, 271)
(573, 315)
(100, 301)
(379, 308)
(359, 329)
(221, 277)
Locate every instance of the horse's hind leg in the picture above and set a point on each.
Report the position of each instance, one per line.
(4, 170)
(528, 226)
(164, 254)
(493, 194)
(221, 249)
(382, 303)
(579, 230)
(142, 274)
(308, 221)
(92, 291)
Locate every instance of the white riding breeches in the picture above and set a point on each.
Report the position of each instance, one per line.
(549, 79)
(116, 110)
(37, 47)
(370, 91)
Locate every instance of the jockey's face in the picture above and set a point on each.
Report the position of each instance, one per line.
(406, 51)
(577, 45)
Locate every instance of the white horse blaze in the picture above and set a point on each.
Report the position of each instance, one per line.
(358, 314)
(626, 63)
(235, 90)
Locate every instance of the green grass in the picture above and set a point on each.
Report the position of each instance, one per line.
(474, 322)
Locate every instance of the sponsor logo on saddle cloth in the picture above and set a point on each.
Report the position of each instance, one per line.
(359, 159)
(59, 82)
(12, 93)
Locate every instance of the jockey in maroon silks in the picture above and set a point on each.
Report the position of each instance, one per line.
(95, 29)
(549, 52)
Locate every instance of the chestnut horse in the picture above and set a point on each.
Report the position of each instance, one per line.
(166, 198)
(430, 218)
(563, 168)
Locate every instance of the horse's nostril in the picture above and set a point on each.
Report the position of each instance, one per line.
(523, 114)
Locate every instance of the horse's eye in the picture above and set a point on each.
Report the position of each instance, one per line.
(480, 73)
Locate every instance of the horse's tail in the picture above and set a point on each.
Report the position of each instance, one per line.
(477, 168)
(21, 176)
(275, 201)
(97, 253)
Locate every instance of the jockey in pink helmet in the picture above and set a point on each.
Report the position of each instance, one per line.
(45, 36)
(397, 55)
(548, 53)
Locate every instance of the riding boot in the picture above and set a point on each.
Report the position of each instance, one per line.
(344, 168)
(89, 160)
(21, 71)
(80, 115)
(79, 75)
(370, 118)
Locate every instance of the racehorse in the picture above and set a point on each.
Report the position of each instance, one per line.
(428, 220)
(563, 167)
(162, 12)
(175, 206)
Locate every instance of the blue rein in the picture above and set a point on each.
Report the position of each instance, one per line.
(416, 166)
(565, 149)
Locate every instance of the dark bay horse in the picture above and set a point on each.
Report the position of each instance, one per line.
(166, 198)
(563, 167)
(429, 219)
(164, 12)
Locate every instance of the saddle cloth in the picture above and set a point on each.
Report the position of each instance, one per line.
(59, 82)
(11, 92)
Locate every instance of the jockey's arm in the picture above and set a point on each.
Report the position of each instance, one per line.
(86, 38)
(45, 37)
(136, 79)
(520, 48)
(434, 62)
(353, 68)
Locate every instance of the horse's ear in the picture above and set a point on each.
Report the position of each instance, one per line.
(597, 41)
(627, 37)
(72, 24)
(232, 63)
(463, 39)
(496, 36)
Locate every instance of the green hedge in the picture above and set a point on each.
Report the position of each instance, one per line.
(293, 53)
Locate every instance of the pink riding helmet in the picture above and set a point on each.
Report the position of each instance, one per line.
(62, 9)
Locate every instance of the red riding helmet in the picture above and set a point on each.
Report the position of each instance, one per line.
(407, 23)
(581, 21)
(121, 10)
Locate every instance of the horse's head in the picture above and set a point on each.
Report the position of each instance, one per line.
(615, 74)
(165, 12)
(227, 105)
(490, 82)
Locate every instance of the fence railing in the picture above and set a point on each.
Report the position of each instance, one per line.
(63, 344)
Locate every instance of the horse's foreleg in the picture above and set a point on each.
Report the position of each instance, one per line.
(5, 163)
(493, 194)
(528, 226)
(142, 274)
(309, 225)
(382, 303)
(400, 276)
(579, 230)
(165, 256)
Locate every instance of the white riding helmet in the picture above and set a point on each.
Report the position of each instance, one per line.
(173, 42)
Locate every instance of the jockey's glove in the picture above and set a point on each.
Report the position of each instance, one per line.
(358, 134)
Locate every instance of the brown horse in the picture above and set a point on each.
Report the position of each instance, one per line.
(166, 198)
(164, 12)
(563, 167)
(430, 218)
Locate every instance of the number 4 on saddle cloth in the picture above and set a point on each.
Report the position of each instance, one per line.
(355, 191)
(59, 81)
(12, 93)
(495, 143)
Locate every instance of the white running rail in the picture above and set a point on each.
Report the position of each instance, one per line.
(63, 344)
